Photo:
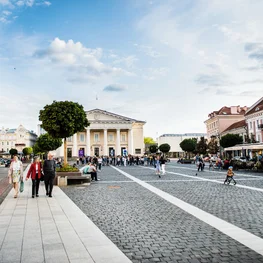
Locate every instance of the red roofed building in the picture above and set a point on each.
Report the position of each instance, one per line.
(220, 120)
(239, 127)
(254, 120)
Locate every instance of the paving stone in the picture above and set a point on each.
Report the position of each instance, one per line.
(137, 220)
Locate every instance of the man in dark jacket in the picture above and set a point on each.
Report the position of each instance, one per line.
(49, 169)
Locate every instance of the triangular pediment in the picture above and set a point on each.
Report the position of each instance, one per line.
(258, 106)
(102, 115)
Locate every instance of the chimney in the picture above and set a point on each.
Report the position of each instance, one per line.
(233, 109)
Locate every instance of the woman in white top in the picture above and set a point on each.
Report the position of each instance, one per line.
(15, 174)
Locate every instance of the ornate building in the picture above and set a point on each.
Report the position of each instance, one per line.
(108, 134)
(16, 138)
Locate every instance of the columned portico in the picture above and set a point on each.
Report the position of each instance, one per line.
(118, 142)
(107, 134)
(130, 145)
(88, 141)
(105, 146)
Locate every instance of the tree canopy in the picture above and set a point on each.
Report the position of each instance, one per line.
(13, 151)
(153, 148)
(201, 146)
(165, 147)
(188, 145)
(213, 147)
(62, 119)
(27, 150)
(230, 140)
(46, 143)
(149, 140)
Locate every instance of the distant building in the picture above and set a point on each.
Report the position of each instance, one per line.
(108, 134)
(40, 130)
(254, 120)
(174, 141)
(16, 138)
(220, 120)
(239, 127)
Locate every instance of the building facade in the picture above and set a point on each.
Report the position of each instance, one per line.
(16, 138)
(219, 121)
(108, 134)
(239, 128)
(174, 141)
(254, 120)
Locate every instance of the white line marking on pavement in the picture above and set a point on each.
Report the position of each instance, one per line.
(242, 236)
(213, 181)
(187, 168)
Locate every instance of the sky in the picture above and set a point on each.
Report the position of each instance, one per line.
(167, 62)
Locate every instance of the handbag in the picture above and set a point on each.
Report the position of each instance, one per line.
(21, 188)
(42, 177)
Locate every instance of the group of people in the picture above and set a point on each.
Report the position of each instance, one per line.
(36, 172)
(129, 160)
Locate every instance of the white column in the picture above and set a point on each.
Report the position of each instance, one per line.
(88, 141)
(118, 143)
(130, 145)
(61, 149)
(75, 145)
(105, 146)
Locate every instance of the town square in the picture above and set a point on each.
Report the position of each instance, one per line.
(131, 131)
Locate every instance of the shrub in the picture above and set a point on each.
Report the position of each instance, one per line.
(67, 168)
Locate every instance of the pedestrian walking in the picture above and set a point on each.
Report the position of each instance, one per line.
(34, 172)
(200, 164)
(49, 169)
(15, 174)
(162, 163)
(158, 167)
(93, 172)
(230, 175)
(100, 162)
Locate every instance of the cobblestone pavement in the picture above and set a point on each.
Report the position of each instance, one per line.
(149, 229)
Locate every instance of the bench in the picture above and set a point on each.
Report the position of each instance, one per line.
(73, 179)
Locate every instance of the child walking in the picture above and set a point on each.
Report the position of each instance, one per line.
(230, 175)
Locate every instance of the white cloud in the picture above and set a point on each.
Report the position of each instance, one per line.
(6, 13)
(5, 2)
(128, 61)
(115, 88)
(83, 62)
(154, 73)
(148, 50)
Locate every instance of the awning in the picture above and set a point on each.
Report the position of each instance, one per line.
(253, 146)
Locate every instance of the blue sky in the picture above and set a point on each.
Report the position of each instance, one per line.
(167, 62)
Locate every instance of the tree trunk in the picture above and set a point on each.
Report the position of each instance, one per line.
(65, 152)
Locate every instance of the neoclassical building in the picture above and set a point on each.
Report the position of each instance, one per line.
(108, 134)
(16, 138)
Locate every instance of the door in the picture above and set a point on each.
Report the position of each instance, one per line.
(97, 151)
(111, 151)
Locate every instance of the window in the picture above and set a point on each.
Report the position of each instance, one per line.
(96, 137)
(111, 137)
(7, 143)
(137, 151)
(123, 137)
(2, 143)
(81, 137)
(7, 150)
(69, 139)
(250, 125)
(258, 138)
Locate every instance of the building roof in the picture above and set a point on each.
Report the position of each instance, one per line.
(232, 110)
(114, 115)
(258, 106)
(236, 125)
(184, 134)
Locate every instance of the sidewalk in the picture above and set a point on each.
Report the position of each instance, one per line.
(49, 230)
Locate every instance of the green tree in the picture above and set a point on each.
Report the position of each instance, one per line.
(149, 140)
(27, 151)
(13, 151)
(153, 148)
(188, 145)
(213, 147)
(201, 146)
(230, 140)
(46, 143)
(164, 148)
(62, 119)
